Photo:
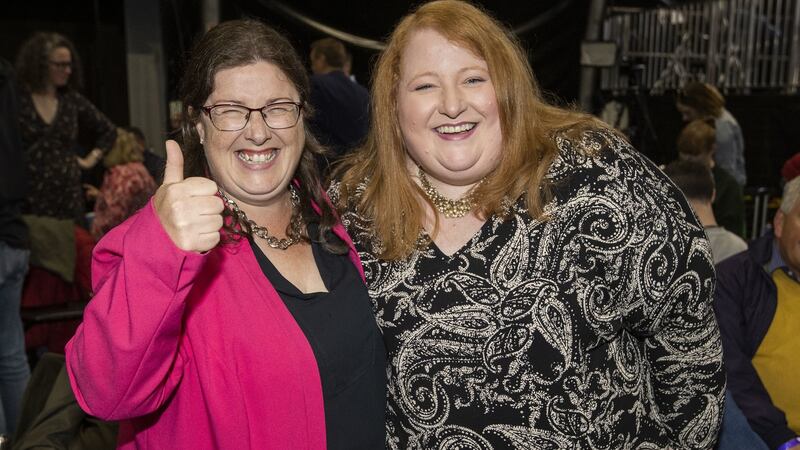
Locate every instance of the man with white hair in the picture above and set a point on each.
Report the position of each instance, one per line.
(757, 302)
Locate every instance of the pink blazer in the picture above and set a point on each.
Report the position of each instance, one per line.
(193, 351)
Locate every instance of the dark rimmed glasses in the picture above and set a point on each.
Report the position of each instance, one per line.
(229, 117)
(61, 65)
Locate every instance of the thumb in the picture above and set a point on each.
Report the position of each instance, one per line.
(173, 172)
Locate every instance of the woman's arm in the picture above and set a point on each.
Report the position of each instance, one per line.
(124, 359)
(89, 117)
(668, 304)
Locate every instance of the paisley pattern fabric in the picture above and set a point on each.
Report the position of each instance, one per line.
(592, 329)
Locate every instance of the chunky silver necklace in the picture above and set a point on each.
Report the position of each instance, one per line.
(295, 234)
(452, 209)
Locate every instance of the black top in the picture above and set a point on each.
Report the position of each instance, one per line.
(728, 203)
(348, 347)
(592, 329)
(55, 177)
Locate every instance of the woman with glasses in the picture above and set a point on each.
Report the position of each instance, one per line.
(52, 114)
(231, 312)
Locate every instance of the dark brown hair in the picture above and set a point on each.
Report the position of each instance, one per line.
(332, 50)
(703, 98)
(696, 140)
(33, 61)
(693, 179)
(239, 43)
(527, 121)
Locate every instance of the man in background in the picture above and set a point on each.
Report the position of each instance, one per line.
(757, 303)
(154, 163)
(341, 106)
(697, 184)
(697, 142)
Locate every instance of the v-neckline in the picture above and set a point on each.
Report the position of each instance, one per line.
(284, 282)
(463, 247)
(39, 115)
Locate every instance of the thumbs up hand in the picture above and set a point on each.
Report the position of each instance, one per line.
(189, 209)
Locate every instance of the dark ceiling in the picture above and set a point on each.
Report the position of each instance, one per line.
(98, 29)
(553, 46)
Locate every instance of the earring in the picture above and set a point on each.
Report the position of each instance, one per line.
(201, 140)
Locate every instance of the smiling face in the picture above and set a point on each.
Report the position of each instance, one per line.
(447, 110)
(59, 65)
(253, 165)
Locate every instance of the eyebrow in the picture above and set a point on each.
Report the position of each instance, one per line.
(465, 69)
(269, 101)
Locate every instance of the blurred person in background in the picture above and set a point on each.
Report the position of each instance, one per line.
(52, 115)
(695, 181)
(340, 105)
(152, 161)
(790, 169)
(127, 185)
(757, 303)
(703, 101)
(697, 142)
(14, 371)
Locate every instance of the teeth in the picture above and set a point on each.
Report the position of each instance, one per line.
(450, 129)
(257, 158)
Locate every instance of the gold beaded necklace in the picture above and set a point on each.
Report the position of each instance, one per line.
(452, 209)
(295, 234)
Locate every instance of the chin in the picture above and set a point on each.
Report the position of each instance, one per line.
(460, 166)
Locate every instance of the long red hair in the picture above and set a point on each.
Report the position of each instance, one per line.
(528, 122)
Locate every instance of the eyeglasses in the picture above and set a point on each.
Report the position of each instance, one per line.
(63, 65)
(227, 117)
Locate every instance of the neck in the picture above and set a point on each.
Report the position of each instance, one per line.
(449, 191)
(274, 214)
(704, 212)
(48, 91)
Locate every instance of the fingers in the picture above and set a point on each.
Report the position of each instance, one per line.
(199, 187)
(83, 163)
(208, 205)
(189, 209)
(173, 172)
(207, 241)
(185, 212)
(198, 233)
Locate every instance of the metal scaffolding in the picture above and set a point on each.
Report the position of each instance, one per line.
(741, 46)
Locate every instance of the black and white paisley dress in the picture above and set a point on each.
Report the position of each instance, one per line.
(591, 330)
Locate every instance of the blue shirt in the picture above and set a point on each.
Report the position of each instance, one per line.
(730, 147)
(776, 262)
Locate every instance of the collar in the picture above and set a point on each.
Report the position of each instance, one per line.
(776, 262)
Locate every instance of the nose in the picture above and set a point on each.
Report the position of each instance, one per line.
(256, 129)
(452, 102)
